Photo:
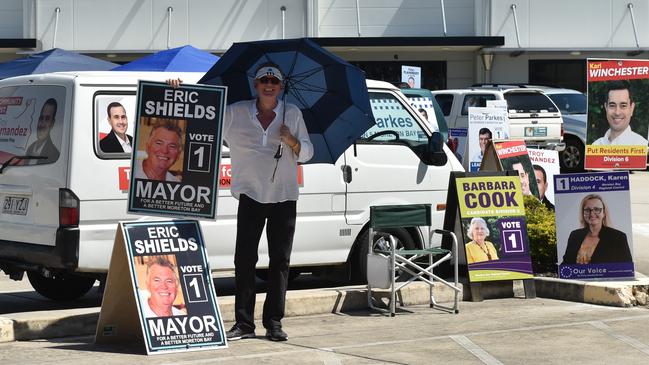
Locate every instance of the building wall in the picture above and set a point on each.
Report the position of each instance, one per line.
(574, 23)
(127, 25)
(392, 18)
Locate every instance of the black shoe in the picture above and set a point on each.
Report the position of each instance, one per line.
(237, 332)
(276, 334)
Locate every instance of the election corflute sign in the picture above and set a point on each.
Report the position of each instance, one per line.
(159, 274)
(618, 114)
(177, 149)
(492, 218)
(594, 231)
(513, 156)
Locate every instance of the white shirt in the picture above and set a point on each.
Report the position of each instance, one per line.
(148, 312)
(252, 149)
(139, 173)
(627, 138)
(126, 146)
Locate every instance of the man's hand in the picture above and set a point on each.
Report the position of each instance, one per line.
(175, 83)
(289, 139)
(286, 136)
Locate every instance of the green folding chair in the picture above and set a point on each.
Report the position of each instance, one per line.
(384, 259)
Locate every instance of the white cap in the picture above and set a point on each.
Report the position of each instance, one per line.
(269, 71)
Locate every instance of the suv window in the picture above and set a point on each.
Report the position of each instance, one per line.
(445, 102)
(472, 100)
(391, 115)
(570, 103)
(31, 123)
(529, 102)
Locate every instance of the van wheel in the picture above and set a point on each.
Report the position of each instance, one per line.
(571, 159)
(262, 274)
(359, 268)
(61, 286)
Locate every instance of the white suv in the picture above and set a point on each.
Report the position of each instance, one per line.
(533, 117)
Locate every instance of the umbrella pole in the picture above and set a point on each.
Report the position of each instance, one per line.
(280, 148)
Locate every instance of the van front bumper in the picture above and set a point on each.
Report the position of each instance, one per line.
(28, 256)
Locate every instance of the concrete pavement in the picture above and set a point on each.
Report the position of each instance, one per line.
(503, 331)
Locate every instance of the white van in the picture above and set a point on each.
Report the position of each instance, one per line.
(62, 195)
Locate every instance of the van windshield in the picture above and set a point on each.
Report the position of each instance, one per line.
(31, 124)
(529, 102)
(392, 115)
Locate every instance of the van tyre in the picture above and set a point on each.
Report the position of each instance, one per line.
(359, 261)
(61, 286)
(571, 158)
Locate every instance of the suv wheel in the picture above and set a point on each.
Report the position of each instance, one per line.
(571, 159)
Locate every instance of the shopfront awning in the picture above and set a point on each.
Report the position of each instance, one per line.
(469, 43)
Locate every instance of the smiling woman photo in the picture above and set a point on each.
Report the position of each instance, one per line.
(596, 242)
(479, 249)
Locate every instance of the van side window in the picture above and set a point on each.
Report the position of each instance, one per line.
(114, 116)
(445, 102)
(32, 119)
(391, 115)
(475, 100)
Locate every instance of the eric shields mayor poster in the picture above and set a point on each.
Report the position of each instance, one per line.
(174, 291)
(177, 148)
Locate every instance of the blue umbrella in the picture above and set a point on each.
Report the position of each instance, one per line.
(330, 92)
(180, 59)
(52, 61)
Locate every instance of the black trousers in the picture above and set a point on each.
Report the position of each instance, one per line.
(279, 219)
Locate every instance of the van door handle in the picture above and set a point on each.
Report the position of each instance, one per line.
(347, 173)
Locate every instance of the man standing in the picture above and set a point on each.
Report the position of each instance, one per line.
(162, 149)
(117, 141)
(43, 146)
(266, 186)
(542, 183)
(264, 180)
(162, 283)
(619, 108)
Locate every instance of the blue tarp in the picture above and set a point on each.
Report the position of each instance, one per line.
(52, 61)
(180, 59)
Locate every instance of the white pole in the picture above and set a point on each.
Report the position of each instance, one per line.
(57, 11)
(169, 11)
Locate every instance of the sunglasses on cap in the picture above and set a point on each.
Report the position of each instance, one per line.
(266, 80)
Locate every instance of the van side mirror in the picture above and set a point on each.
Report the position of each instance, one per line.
(435, 154)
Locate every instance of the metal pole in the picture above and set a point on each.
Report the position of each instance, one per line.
(518, 38)
(443, 16)
(635, 30)
(283, 9)
(358, 18)
(169, 11)
(57, 11)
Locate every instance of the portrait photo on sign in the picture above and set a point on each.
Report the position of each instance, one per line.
(618, 112)
(159, 286)
(159, 153)
(114, 122)
(482, 239)
(523, 166)
(594, 228)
